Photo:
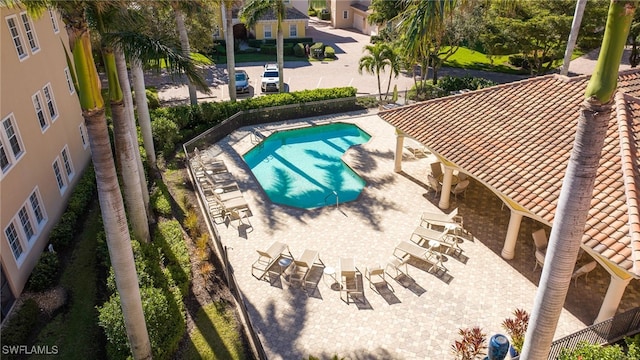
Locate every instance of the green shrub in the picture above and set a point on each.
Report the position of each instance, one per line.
(160, 202)
(221, 50)
(452, 83)
(519, 61)
(587, 351)
(21, 324)
(312, 12)
(329, 52)
(62, 234)
(298, 50)
(191, 223)
(165, 132)
(171, 241)
(153, 102)
(325, 15)
(367, 102)
(317, 45)
(304, 40)
(45, 274)
(165, 324)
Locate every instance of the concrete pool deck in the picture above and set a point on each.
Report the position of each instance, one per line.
(420, 318)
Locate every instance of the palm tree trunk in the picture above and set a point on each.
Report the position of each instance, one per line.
(111, 204)
(125, 152)
(280, 56)
(144, 119)
(379, 84)
(123, 75)
(231, 58)
(577, 188)
(573, 36)
(186, 49)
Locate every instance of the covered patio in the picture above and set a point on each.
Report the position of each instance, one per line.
(515, 140)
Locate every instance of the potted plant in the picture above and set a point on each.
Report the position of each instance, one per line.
(471, 345)
(516, 328)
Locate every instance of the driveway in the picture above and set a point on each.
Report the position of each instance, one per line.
(302, 75)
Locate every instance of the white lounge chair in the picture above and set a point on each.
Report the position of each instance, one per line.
(435, 239)
(412, 249)
(350, 280)
(268, 257)
(376, 276)
(303, 265)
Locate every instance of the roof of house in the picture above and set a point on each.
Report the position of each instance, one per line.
(361, 7)
(516, 138)
(292, 14)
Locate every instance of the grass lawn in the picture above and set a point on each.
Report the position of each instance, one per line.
(76, 331)
(215, 335)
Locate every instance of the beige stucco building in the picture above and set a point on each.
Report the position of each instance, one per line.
(44, 146)
(351, 14)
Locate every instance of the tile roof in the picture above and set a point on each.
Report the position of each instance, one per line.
(516, 138)
(291, 14)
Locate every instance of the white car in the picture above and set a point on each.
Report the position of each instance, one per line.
(270, 78)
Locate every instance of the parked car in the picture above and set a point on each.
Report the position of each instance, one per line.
(270, 78)
(242, 81)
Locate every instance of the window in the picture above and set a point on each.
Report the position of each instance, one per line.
(34, 201)
(293, 30)
(54, 22)
(59, 178)
(11, 150)
(17, 37)
(267, 32)
(83, 135)
(66, 160)
(31, 34)
(345, 14)
(67, 74)
(37, 105)
(14, 241)
(51, 104)
(25, 221)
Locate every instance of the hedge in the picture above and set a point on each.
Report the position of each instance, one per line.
(45, 274)
(329, 52)
(18, 330)
(170, 239)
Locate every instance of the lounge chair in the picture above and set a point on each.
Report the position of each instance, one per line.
(408, 248)
(268, 257)
(429, 219)
(395, 263)
(435, 239)
(375, 275)
(349, 280)
(303, 265)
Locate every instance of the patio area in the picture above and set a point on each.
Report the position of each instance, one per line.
(419, 319)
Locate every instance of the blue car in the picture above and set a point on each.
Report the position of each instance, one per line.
(242, 81)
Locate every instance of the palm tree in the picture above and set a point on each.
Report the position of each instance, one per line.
(380, 55)
(227, 6)
(577, 190)
(184, 42)
(256, 9)
(573, 36)
(111, 203)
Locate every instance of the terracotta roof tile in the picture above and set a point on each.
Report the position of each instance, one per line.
(517, 139)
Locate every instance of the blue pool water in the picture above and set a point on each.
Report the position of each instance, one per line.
(303, 167)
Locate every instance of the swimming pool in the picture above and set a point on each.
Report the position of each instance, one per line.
(303, 167)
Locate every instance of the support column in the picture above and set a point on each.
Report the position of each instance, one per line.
(445, 194)
(397, 156)
(612, 298)
(508, 250)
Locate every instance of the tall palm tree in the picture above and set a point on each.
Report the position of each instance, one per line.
(573, 36)
(256, 9)
(577, 188)
(227, 6)
(111, 203)
(177, 7)
(378, 57)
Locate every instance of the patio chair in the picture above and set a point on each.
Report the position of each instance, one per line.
(436, 239)
(436, 170)
(395, 263)
(541, 241)
(302, 266)
(409, 248)
(350, 285)
(268, 257)
(429, 219)
(584, 270)
(462, 176)
(375, 275)
(460, 188)
(434, 184)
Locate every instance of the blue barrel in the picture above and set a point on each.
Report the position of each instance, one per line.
(498, 347)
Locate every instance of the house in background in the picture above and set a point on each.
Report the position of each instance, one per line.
(352, 14)
(44, 147)
(294, 25)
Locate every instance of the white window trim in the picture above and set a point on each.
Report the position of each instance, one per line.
(20, 259)
(37, 101)
(13, 158)
(62, 187)
(293, 34)
(29, 222)
(53, 101)
(84, 137)
(67, 74)
(54, 21)
(34, 49)
(19, 36)
(270, 32)
(39, 225)
(345, 14)
(69, 169)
